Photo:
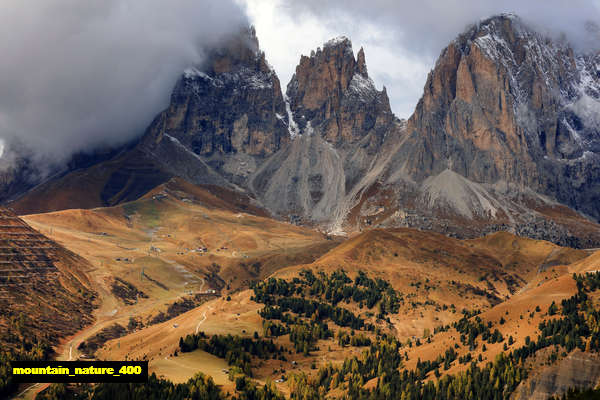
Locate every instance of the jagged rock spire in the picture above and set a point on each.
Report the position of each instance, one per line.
(361, 65)
(231, 104)
(332, 91)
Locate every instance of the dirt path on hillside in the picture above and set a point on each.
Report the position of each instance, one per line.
(203, 319)
(109, 312)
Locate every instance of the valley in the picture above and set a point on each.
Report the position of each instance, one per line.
(179, 247)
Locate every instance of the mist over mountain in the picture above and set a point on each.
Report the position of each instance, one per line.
(505, 133)
(76, 76)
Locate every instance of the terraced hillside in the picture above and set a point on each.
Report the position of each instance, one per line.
(45, 295)
(43, 286)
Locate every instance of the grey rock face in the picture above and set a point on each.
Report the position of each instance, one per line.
(228, 111)
(577, 370)
(340, 124)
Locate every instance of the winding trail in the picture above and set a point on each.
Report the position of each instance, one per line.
(111, 310)
(203, 319)
(24, 392)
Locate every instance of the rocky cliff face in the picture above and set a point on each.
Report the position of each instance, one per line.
(232, 104)
(338, 124)
(225, 117)
(505, 104)
(331, 92)
(577, 370)
(506, 132)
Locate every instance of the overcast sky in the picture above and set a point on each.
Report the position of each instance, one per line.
(402, 39)
(76, 74)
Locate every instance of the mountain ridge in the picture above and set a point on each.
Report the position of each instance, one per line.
(330, 152)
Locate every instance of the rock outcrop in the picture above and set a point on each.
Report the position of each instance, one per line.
(339, 122)
(577, 370)
(506, 115)
(332, 93)
(231, 104)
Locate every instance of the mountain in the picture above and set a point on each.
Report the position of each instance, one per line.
(223, 116)
(219, 125)
(331, 92)
(505, 137)
(193, 265)
(339, 122)
(504, 133)
(504, 104)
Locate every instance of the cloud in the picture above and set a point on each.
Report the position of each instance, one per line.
(76, 74)
(402, 39)
(426, 26)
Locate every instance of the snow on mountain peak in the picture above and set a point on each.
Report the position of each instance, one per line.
(336, 41)
(363, 87)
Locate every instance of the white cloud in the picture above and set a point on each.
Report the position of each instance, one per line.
(79, 74)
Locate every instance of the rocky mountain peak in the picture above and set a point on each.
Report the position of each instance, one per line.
(332, 93)
(230, 105)
(236, 51)
(505, 103)
(328, 71)
(361, 64)
(507, 126)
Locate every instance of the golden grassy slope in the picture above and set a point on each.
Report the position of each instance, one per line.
(162, 235)
(422, 266)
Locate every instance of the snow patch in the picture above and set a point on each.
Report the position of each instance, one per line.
(192, 72)
(336, 41)
(587, 106)
(179, 144)
(292, 126)
(588, 110)
(494, 47)
(586, 155)
(257, 81)
(363, 87)
(309, 129)
(574, 134)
